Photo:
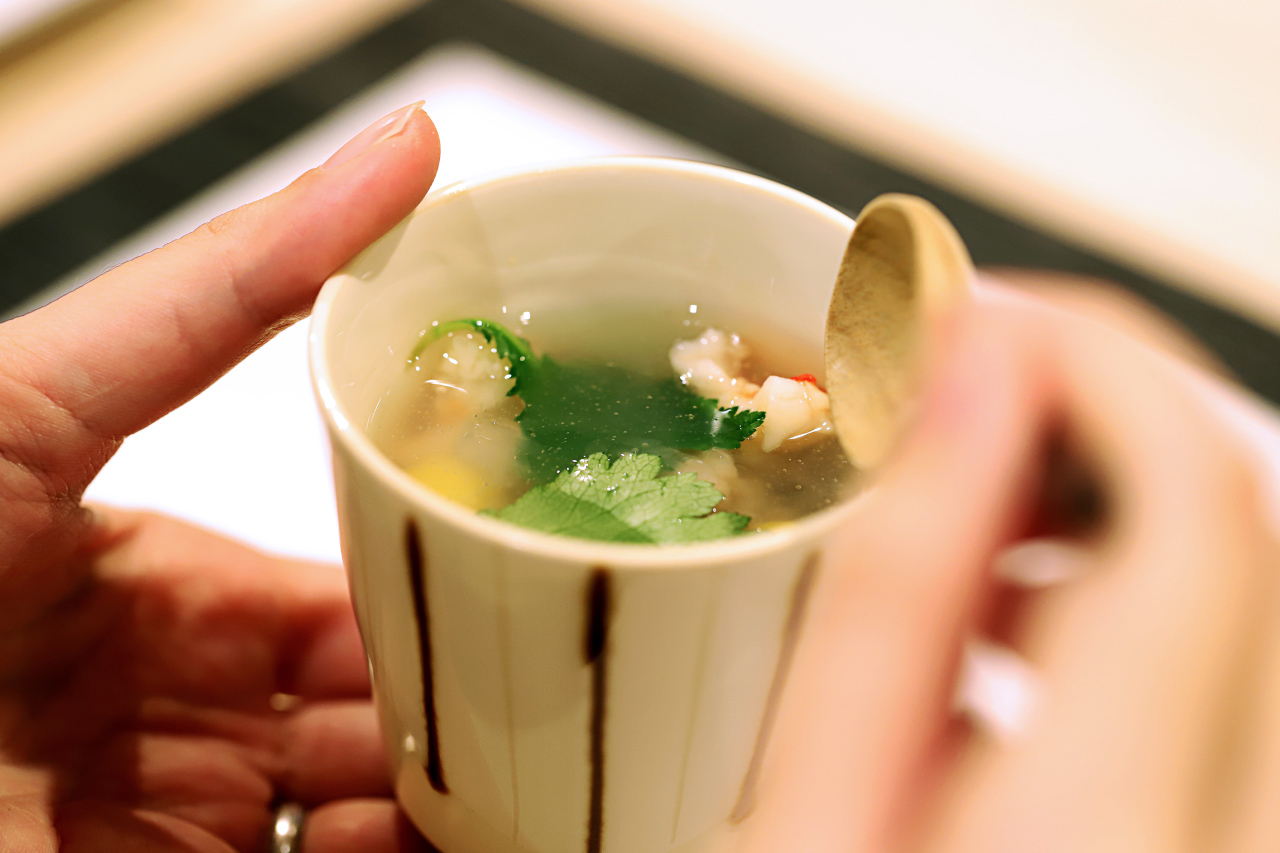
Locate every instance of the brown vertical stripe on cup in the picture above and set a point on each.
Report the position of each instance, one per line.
(596, 652)
(418, 584)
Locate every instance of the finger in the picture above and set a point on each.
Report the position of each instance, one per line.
(268, 624)
(869, 692)
(221, 771)
(116, 354)
(1252, 823)
(328, 661)
(333, 750)
(1118, 308)
(361, 826)
(1138, 657)
(89, 826)
(317, 752)
(24, 802)
(196, 617)
(209, 782)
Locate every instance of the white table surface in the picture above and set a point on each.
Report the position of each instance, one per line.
(1145, 129)
(248, 457)
(1166, 112)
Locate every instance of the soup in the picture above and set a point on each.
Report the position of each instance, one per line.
(621, 423)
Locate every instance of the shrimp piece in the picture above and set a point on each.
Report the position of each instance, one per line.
(797, 413)
(466, 367)
(711, 364)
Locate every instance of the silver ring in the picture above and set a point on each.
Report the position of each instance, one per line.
(286, 829)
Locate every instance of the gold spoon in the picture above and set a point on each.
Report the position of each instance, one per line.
(904, 266)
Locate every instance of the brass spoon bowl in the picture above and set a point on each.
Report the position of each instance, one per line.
(904, 266)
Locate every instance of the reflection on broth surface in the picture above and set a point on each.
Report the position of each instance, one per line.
(618, 422)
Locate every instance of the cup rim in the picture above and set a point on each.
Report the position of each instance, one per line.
(811, 528)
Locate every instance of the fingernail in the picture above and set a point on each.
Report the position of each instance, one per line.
(997, 690)
(1040, 563)
(381, 130)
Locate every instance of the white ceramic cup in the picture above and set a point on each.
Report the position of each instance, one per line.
(539, 693)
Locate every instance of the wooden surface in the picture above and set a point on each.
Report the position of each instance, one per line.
(1200, 211)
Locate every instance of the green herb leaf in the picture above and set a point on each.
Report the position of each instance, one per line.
(574, 410)
(624, 502)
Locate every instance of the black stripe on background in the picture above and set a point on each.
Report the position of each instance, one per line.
(52, 241)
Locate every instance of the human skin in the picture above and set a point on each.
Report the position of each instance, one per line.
(1157, 667)
(139, 655)
(143, 661)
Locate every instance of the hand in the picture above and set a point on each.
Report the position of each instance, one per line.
(1157, 720)
(139, 657)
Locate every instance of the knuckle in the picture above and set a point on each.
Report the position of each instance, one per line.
(222, 224)
(214, 228)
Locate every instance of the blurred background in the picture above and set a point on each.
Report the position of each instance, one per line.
(1133, 140)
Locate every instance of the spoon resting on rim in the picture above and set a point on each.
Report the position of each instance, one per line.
(904, 267)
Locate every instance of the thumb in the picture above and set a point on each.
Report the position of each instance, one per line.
(869, 697)
(135, 343)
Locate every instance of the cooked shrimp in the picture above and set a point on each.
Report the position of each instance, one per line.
(796, 409)
(466, 367)
(711, 364)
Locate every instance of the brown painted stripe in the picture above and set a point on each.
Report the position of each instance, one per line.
(596, 651)
(790, 638)
(418, 583)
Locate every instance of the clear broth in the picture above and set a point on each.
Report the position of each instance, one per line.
(474, 460)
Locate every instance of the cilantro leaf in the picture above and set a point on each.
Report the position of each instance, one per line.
(624, 502)
(732, 426)
(574, 410)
